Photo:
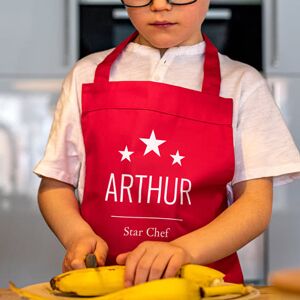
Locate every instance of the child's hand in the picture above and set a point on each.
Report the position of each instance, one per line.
(152, 260)
(78, 249)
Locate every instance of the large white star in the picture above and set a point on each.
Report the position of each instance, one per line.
(177, 158)
(126, 154)
(152, 144)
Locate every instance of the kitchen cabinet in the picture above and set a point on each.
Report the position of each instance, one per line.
(283, 233)
(281, 36)
(282, 70)
(38, 37)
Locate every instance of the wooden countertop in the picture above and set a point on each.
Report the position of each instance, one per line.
(267, 293)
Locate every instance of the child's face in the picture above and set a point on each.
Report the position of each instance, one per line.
(179, 24)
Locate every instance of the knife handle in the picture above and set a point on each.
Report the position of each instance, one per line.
(91, 261)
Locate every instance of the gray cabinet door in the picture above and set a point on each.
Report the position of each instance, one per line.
(37, 36)
(281, 36)
(284, 242)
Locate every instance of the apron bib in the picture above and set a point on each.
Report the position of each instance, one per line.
(158, 158)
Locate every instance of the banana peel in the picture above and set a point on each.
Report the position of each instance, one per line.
(25, 294)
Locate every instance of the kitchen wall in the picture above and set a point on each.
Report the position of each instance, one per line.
(282, 70)
(38, 47)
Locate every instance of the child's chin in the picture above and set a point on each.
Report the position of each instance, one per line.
(164, 44)
(162, 41)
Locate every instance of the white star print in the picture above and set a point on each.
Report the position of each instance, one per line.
(152, 144)
(177, 158)
(126, 154)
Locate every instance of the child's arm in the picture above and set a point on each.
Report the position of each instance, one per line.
(60, 209)
(241, 222)
(244, 220)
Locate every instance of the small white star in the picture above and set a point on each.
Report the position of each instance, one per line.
(152, 144)
(177, 158)
(126, 154)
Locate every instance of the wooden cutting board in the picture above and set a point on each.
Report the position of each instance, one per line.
(44, 290)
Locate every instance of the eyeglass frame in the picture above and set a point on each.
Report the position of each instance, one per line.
(150, 1)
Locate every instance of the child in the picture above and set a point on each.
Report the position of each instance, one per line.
(151, 135)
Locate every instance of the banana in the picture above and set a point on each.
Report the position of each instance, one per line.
(238, 289)
(104, 280)
(203, 276)
(91, 281)
(161, 289)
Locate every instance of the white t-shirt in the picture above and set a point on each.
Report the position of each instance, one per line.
(262, 143)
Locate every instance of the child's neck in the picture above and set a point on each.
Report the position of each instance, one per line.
(141, 41)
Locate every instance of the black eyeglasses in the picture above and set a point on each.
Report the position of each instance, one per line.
(142, 3)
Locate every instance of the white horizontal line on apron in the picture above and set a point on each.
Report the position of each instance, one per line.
(141, 217)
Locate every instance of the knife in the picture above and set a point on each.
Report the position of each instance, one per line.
(91, 261)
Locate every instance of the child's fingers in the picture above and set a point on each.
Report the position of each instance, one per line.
(75, 258)
(76, 255)
(144, 267)
(101, 253)
(121, 258)
(159, 265)
(71, 263)
(131, 264)
(78, 263)
(175, 262)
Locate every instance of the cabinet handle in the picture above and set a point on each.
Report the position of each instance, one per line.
(274, 34)
(221, 14)
(66, 54)
(120, 14)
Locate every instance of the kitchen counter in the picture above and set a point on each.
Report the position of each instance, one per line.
(267, 293)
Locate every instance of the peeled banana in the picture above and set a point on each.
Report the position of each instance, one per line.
(104, 280)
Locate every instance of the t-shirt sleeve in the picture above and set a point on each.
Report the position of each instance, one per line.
(264, 146)
(62, 159)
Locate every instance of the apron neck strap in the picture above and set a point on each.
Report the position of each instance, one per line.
(103, 69)
(212, 74)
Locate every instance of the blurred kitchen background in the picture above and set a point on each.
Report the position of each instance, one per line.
(39, 42)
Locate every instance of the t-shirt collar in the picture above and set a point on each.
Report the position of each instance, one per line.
(195, 49)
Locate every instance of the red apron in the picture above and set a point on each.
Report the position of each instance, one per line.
(158, 158)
